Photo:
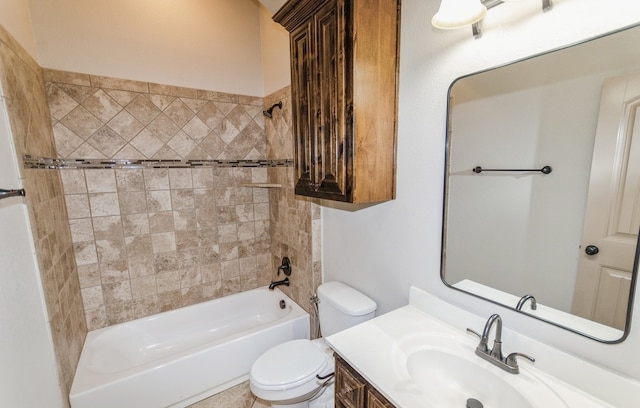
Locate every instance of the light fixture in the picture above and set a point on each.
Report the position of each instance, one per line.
(459, 13)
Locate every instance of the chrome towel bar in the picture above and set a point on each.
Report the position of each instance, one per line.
(544, 170)
(12, 193)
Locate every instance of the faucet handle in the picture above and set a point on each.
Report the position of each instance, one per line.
(474, 332)
(512, 359)
(482, 346)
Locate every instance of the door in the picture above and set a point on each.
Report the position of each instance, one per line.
(612, 217)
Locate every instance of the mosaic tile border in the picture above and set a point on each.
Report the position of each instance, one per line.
(61, 164)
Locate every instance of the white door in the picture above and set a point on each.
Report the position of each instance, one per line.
(612, 218)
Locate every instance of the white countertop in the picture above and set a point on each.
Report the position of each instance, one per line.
(377, 350)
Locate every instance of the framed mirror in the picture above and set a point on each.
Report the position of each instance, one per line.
(542, 192)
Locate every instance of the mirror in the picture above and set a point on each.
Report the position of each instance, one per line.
(542, 191)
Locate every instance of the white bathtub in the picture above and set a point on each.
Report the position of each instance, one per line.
(176, 358)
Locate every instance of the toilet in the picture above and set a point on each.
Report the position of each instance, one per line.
(285, 375)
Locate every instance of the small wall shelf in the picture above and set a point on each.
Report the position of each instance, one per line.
(263, 185)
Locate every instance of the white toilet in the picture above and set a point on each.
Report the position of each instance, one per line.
(286, 374)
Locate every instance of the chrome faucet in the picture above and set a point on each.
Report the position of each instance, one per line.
(494, 356)
(496, 351)
(523, 300)
(284, 282)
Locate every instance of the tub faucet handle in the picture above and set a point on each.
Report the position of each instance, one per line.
(285, 266)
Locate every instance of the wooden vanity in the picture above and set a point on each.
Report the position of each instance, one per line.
(353, 391)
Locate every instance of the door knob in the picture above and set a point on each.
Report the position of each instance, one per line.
(591, 250)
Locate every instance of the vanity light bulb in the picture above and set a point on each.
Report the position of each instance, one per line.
(458, 13)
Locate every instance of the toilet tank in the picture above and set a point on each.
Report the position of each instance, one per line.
(341, 306)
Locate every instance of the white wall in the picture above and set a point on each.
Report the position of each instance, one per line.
(16, 19)
(384, 249)
(206, 44)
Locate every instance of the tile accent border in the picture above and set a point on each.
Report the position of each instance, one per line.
(61, 164)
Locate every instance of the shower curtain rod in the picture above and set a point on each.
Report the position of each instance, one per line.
(12, 193)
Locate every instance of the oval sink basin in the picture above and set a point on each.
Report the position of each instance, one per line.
(449, 375)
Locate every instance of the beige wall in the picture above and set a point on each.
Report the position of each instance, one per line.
(206, 44)
(275, 53)
(15, 16)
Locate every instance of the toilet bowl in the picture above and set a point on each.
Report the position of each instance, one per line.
(287, 374)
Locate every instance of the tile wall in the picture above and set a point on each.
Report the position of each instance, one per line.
(295, 233)
(156, 239)
(153, 239)
(23, 92)
(295, 221)
(96, 117)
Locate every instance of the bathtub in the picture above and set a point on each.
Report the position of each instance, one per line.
(176, 358)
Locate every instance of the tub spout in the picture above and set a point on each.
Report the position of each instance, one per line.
(273, 284)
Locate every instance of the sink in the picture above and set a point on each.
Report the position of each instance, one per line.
(420, 360)
(448, 373)
(451, 380)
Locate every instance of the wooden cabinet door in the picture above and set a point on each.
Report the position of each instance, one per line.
(333, 87)
(376, 400)
(321, 78)
(344, 61)
(349, 388)
(353, 391)
(302, 92)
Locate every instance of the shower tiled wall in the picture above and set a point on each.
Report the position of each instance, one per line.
(23, 93)
(97, 117)
(152, 240)
(155, 239)
(294, 232)
(126, 243)
(295, 221)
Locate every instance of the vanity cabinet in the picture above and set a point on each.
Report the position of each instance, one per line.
(353, 391)
(344, 80)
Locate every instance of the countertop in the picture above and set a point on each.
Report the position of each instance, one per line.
(378, 348)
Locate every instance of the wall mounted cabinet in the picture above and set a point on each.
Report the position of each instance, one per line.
(344, 81)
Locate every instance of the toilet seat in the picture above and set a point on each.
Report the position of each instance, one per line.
(288, 365)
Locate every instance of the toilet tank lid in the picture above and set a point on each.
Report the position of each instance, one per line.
(346, 299)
